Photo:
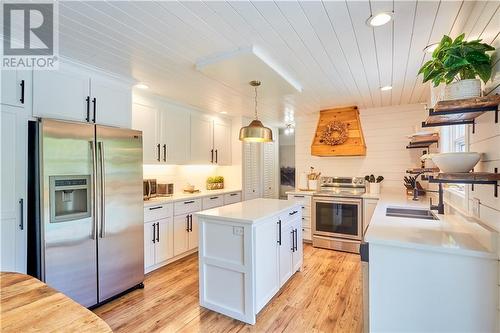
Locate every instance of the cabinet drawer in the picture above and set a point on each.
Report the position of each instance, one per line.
(304, 200)
(306, 222)
(306, 211)
(306, 234)
(153, 213)
(213, 201)
(231, 198)
(187, 206)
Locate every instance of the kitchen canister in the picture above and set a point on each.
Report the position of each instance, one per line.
(375, 188)
(313, 184)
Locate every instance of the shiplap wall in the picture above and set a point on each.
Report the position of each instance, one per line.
(385, 131)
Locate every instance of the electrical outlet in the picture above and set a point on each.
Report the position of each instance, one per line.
(238, 231)
(475, 207)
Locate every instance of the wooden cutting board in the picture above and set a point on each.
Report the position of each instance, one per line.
(355, 144)
(29, 305)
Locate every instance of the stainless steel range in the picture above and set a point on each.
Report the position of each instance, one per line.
(337, 213)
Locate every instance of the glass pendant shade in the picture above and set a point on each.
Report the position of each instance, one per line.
(256, 132)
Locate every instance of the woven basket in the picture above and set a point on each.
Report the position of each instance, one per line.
(215, 186)
(463, 89)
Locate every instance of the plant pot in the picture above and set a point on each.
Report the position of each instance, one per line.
(313, 184)
(463, 89)
(437, 94)
(375, 188)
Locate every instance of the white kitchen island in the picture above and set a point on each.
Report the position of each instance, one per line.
(247, 252)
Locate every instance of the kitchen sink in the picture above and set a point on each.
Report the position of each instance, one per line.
(412, 213)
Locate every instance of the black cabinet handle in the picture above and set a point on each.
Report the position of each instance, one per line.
(212, 156)
(296, 240)
(188, 202)
(154, 233)
(298, 196)
(94, 102)
(293, 240)
(187, 223)
(88, 108)
(279, 232)
(21, 215)
(233, 194)
(22, 92)
(191, 222)
(293, 213)
(164, 153)
(158, 232)
(213, 198)
(158, 148)
(216, 156)
(157, 207)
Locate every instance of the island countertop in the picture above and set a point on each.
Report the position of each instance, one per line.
(250, 211)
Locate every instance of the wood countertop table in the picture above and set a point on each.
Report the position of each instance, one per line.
(28, 305)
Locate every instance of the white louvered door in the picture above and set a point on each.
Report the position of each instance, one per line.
(268, 170)
(251, 171)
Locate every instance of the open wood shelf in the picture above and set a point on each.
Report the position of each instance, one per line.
(422, 170)
(421, 144)
(461, 111)
(485, 178)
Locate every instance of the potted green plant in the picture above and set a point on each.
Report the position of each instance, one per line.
(374, 183)
(458, 64)
(215, 183)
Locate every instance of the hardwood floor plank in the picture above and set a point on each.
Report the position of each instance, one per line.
(325, 296)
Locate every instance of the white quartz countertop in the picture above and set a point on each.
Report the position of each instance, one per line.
(186, 196)
(250, 211)
(311, 193)
(451, 233)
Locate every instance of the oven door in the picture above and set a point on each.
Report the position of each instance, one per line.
(337, 217)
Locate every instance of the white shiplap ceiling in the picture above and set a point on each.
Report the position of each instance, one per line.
(325, 46)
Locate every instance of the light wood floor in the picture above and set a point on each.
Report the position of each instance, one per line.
(324, 297)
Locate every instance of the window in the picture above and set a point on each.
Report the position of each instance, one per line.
(453, 139)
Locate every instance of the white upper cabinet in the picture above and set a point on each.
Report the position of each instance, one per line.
(78, 94)
(175, 137)
(202, 151)
(145, 118)
(16, 88)
(62, 94)
(112, 102)
(222, 142)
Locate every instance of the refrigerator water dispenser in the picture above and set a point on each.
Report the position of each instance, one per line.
(69, 198)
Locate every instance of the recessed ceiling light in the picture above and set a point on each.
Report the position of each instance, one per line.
(385, 88)
(223, 112)
(379, 19)
(431, 47)
(141, 86)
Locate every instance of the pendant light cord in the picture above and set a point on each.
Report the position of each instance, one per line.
(256, 117)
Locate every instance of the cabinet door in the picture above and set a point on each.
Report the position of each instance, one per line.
(193, 233)
(145, 119)
(251, 171)
(164, 240)
(297, 255)
(180, 234)
(285, 253)
(61, 94)
(202, 139)
(16, 88)
(149, 244)
(222, 142)
(175, 135)
(269, 170)
(112, 102)
(13, 210)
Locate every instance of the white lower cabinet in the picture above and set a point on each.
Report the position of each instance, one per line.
(158, 236)
(181, 234)
(305, 201)
(369, 206)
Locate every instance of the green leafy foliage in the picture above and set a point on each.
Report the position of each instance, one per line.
(215, 179)
(458, 60)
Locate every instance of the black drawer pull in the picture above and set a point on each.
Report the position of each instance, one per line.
(213, 198)
(293, 213)
(157, 207)
(188, 202)
(233, 194)
(298, 196)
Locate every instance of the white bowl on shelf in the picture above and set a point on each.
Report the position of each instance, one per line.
(455, 162)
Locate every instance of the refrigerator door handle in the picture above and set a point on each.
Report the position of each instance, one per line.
(94, 190)
(100, 148)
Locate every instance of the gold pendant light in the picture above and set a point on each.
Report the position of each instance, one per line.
(256, 131)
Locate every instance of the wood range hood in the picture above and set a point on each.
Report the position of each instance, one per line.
(355, 143)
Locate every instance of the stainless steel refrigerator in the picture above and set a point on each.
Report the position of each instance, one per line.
(89, 226)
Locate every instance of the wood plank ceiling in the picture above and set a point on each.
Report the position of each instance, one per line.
(325, 46)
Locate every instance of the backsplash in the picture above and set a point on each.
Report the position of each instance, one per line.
(196, 175)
